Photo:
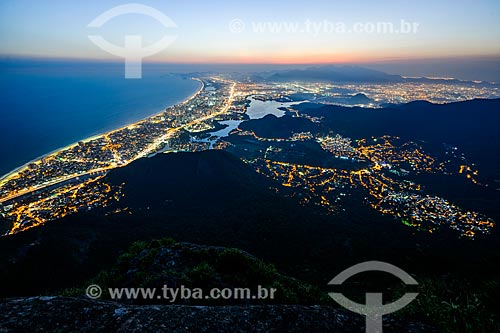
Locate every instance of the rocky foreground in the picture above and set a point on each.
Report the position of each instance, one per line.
(61, 314)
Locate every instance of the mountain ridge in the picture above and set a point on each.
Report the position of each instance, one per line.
(354, 74)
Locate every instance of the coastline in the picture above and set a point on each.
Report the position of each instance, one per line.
(6, 177)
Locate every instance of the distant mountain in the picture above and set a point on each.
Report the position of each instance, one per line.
(342, 74)
(352, 74)
(358, 99)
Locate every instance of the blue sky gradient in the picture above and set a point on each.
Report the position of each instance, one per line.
(57, 28)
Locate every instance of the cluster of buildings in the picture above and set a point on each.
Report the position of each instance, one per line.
(58, 202)
(339, 146)
(431, 212)
(399, 93)
(68, 180)
(384, 181)
(395, 93)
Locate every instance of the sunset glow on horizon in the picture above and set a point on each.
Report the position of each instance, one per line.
(265, 32)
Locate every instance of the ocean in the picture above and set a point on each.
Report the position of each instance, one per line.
(46, 105)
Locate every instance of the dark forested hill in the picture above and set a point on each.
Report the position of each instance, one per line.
(212, 198)
(470, 125)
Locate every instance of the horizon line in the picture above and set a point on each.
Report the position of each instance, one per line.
(117, 60)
